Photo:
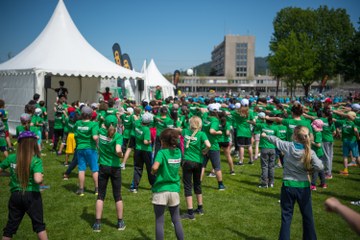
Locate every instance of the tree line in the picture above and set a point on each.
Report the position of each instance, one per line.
(311, 45)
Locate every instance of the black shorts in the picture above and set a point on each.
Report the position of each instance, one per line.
(214, 157)
(24, 202)
(3, 148)
(132, 142)
(224, 144)
(243, 141)
(114, 173)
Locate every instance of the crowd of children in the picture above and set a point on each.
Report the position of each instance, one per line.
(180, 132)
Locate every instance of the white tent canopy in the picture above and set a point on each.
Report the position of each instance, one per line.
(154, 78)
(60, 51)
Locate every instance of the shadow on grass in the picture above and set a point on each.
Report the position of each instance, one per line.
(250, 183)
(243, 235)
(4, 174)
(333, 194)
(143, 235)
(72, 187)
(90, 218)
(259, 175)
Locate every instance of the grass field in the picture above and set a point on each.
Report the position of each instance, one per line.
(242, 211)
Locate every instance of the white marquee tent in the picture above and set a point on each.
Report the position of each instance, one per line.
(62, 53)
(153, 78)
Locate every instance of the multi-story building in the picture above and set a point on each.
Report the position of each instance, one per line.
(234, 57)
(233, 71)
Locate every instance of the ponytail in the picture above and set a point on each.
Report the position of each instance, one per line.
(111, 131)
(301, 134)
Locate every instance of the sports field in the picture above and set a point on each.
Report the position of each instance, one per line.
(242, 211)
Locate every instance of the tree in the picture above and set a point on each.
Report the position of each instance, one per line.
(351, 65)
(295, 61)
(322, 35)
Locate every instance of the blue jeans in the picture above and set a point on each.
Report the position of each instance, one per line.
(290, 195)
(72, 165)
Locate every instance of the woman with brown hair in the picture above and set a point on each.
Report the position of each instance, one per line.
(26, 175)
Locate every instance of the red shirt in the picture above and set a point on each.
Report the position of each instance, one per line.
(106, 96)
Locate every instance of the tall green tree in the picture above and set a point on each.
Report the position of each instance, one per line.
(351, 65)
(322, 35)
(295, 61)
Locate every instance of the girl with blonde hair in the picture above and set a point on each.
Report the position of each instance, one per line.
(299, 161)
(194, 140)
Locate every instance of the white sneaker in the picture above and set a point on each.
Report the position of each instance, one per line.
(356, 203)
(122, 166)
(212, 175)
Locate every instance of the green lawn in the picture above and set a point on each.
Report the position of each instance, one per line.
(242, 211)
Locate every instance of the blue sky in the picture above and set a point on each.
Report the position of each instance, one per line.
(176, 34)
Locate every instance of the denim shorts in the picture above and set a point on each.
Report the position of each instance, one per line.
(87, 157)
(350, 146)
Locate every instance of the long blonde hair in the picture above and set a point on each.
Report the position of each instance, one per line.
(301, 135)
(26, 150)
(195, 126)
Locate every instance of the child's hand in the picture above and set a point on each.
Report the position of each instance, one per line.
(263, 134)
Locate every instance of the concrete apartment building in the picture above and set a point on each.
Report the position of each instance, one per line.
(233, 62)
(234, 57)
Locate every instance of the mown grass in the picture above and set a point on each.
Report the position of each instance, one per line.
(243, 211)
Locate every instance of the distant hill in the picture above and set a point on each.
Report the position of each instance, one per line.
(204, 69)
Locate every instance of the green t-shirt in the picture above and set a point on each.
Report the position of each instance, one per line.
(270, 130)
(291, 125)
(35, 167)
(327, 133)
(44, 116)
(59, 121)
(167, 176)
(107, 146)
(158, 94)
(195, 145)
(318, 139)
(111, 111)
(4, 119)
(36, 120)
(211, 122)
(142, 133)
(347, 130)
(223, 137)
(162, 123)
(282, 132)
(84, 132)
(21, 128)
(243, 128)
(127, 121)
(69, 126)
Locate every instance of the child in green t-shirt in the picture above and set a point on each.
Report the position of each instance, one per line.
(166, 187)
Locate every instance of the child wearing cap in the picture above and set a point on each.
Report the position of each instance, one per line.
(26, 175)
(143, 151)
(267, 152)
(86, 136)
(316, 145)
(109, 160)
(166, 187)
(135, 119)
